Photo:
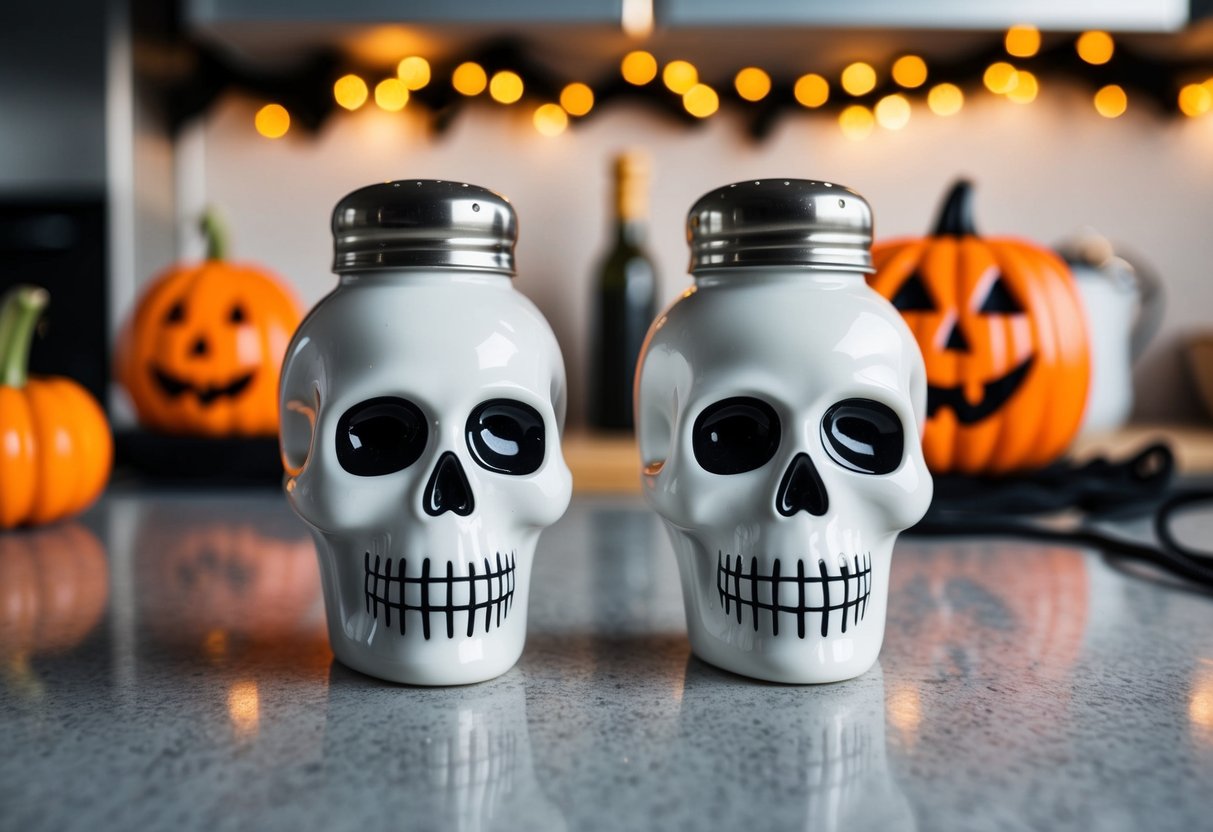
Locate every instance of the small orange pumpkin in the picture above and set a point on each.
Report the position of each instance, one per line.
(202, 352)
(55, 444)
(54, 584)
(1002, 333)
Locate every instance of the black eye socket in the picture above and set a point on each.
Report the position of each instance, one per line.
(506, 436)
(237, 315)
(176, 313)
(380, 436)
(913, 296)
(735, 435)
(864, 436)
(1000, 301)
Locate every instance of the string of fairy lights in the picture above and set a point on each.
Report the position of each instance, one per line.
(859, 96)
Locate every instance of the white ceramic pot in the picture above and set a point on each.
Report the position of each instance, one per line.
(780, 404)
(1123, 305)
(422, 403)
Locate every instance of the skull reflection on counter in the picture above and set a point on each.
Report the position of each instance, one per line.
(784, 464)
(421, 434)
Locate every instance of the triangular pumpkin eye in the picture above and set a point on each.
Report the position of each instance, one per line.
(1000, 301)
(912, 296)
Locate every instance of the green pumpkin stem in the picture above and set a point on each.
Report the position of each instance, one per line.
(19, 312)
(956, 216)
(216, 235)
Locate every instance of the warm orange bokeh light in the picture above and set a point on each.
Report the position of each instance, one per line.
(910, 71)
(577, 99)
(506, 87)
(856, 122)
(391, 95)
(550, 119)
(1023, 41)
(1111, 101)
(638, 68)
(893, 112)
(999, 78)
(1095, 47)
(701, 101)
(272, 121)
(350, 92)
(1026, 88)
(945, 99)
(413, 72)
(679, 76)
(469, 79)
(858, 78)
(812, 90)
(1195, 100)
(752, 83)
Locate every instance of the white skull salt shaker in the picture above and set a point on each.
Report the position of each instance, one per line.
(422, 403)
(779, 410)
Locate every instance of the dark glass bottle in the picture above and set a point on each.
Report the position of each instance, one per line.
(625, 299)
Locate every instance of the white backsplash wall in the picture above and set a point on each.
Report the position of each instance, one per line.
(1042, 171)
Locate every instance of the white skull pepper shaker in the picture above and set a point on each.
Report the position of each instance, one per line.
(422, 403)
(779, 410)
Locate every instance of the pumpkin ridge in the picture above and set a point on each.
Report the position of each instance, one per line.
(19, 470)
(48, 422)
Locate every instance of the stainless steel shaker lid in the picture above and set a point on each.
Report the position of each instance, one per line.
(424, 223)
(781, 222)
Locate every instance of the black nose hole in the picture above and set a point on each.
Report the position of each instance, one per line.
(802, 489)
(200, 347)
(448, 488)
(956, 339)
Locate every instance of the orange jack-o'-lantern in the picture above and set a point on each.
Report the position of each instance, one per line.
(202, 352)
(54, 584)
(1002, 333)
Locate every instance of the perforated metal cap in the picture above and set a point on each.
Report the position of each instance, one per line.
(781, 222)
(424, 223)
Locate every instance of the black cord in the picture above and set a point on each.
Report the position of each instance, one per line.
(1098, 490)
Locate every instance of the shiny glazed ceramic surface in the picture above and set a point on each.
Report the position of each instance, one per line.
(405, 401)
(784, 554)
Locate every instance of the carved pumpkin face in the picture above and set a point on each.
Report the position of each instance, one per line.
(202, 352)
(1002, 333)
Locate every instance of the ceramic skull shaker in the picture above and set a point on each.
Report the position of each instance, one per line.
(779, 413)
(422, 403)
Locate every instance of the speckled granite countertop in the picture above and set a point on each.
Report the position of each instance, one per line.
(165, 667)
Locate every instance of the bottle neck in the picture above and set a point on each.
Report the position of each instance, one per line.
(631, 232)
(631, 199)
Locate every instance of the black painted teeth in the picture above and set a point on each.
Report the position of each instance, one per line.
(784, 592)
(430, 594)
